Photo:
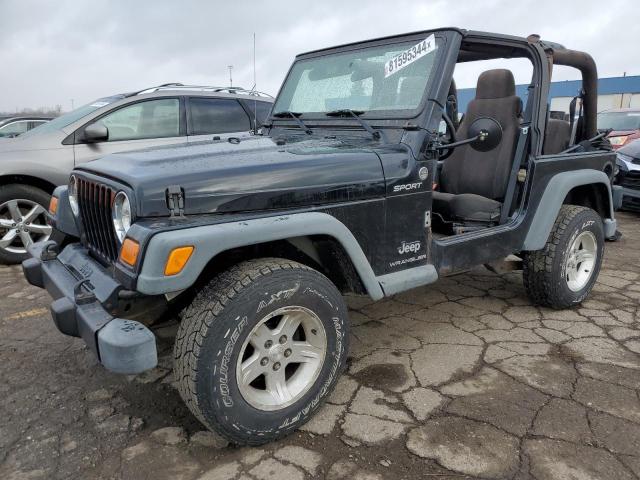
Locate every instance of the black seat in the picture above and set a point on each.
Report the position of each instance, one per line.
(557, 136)
(473, 183)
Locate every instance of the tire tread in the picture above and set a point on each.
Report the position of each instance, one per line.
(202, 314)
(537, 270)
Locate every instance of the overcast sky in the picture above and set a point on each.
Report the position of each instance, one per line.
(52, 52)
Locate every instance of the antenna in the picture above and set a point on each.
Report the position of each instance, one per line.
(230, 67)
(255, 102)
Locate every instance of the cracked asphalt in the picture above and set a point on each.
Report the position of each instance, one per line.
(461, 379)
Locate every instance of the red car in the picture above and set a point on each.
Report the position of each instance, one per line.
(624, 122)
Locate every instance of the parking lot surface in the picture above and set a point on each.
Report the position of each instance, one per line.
(462, 379)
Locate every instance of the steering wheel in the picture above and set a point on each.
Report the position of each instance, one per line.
(450, 136)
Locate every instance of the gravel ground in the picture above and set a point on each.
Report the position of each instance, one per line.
(463, 379)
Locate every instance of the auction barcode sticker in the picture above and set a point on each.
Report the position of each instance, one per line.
(410, 55)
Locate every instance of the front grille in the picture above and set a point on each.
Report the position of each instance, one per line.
(629, 179)
(95, 200)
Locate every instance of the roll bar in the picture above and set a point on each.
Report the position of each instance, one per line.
(585, 63)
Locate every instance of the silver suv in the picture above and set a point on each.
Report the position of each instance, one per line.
(34, 163)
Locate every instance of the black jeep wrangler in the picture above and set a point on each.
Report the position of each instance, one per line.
(364, 180)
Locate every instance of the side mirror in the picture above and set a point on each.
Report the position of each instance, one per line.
(96, 132)
(486, 132)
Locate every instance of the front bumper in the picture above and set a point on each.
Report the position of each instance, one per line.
(630, 199)
(630, 192)
(84, 294)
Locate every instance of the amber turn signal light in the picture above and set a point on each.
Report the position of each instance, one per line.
(53, 205)
(129, 252)
(177, 259)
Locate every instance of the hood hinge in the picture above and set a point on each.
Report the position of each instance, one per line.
(175, 200)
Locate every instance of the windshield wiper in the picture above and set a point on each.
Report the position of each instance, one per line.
(294, 115)
(347, 112)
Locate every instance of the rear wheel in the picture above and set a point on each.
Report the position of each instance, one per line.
(563, 273)
(260, 348)
(22, 220)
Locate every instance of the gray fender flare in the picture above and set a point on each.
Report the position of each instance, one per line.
(210, 240)
(555, 193)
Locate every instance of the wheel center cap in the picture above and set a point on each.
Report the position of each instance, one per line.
(276, 353)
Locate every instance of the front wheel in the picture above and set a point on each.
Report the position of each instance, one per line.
(563, 273)
(22, 221)
(259, 349)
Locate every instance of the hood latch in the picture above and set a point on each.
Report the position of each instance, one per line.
(175, 200)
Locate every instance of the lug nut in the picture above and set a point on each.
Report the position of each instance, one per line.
(276, 366)
(268, 344)
(287, 352)
(314, 331)
(264, 361)
(283, 339)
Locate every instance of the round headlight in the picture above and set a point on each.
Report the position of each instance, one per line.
(73, 195)
(121, 215)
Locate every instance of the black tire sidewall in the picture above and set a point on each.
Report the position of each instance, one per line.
(27, 192)
(586, 220)
(217, 390)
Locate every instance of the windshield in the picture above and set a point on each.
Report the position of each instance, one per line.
(619, 121)
(74, 115)
(382, 78)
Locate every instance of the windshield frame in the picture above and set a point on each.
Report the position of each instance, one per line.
(443, 42)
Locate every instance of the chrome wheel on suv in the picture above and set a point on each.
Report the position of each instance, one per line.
(580, 260)
(22, 222)
(281, 358)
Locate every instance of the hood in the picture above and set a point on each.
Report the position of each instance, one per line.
(621, 133)
(32, 142)
(255, 174)
(624, 137)
(631, 149)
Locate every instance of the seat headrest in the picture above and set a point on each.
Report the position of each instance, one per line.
(498, 83)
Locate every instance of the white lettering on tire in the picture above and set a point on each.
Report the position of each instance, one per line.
(224, 363)
(304, 411)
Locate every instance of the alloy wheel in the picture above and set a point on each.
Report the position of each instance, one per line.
(22, 222)
(281, 358)
(580, 261)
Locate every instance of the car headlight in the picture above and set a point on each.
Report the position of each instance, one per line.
(73, 195)
(121, 215)
(622, 162)
(618, 140)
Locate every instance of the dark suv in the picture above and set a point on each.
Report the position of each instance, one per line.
(628, 174)
(259, 237)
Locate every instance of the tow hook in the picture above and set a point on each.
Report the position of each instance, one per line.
(49, 251)
(80, 296)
